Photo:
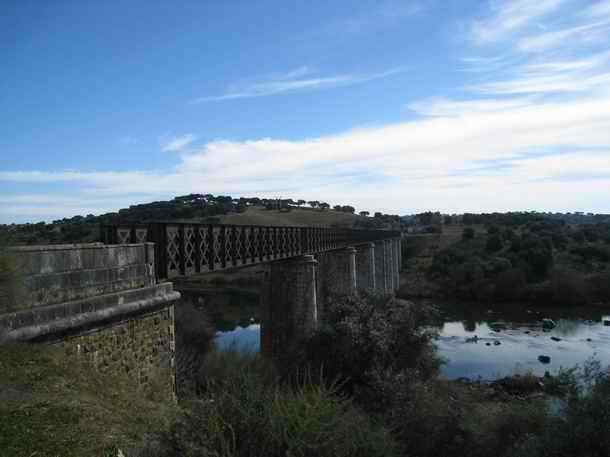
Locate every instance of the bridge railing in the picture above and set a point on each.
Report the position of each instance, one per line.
(183, 249)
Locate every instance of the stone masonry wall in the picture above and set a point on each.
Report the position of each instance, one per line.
(365, 266)
(141, 348)
(101, 303)
(289, 308)
(60, 273)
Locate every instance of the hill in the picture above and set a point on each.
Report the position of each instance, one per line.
(198, 208)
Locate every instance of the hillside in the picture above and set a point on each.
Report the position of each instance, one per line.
(258, 215)
(197, 208)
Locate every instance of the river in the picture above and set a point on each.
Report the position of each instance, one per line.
(486, 342)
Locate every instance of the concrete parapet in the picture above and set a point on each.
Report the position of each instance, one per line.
(365, 266)
(289, 302)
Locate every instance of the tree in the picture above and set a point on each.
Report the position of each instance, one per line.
(300, 203)
(314, 203)
(364, 213)
(337, 208)
(378, 214)
(324, 206)
(468, 233)
(494, 242)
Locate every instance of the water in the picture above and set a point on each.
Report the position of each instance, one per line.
(511, 340)
(242, 338)
(517, 328)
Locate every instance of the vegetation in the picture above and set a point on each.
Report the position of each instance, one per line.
(193, 207)
(53, 406)
(541, 261)
(364, 385)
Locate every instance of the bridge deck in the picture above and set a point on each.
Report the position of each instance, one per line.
(184, 249)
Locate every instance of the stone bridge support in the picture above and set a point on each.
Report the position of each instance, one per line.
(100, 303)
(290, 311)
(365, 266)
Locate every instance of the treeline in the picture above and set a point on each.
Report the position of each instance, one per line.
(199, 207)
(512, 219)
(540, 261)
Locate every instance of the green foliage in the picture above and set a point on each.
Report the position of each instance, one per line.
(54, 406)
(245, 411)
(468, 233)
(494, 243)
(367, 335)
(582, 426)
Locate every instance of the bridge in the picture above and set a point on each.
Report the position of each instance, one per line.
(112, 302)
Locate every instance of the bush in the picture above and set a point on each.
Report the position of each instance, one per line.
(194, 338)
(569, 288)
(468, 233)
(370, 334)
(9, 282)
(511, 285)
(582, 427)
(244, 411)
(494, 243)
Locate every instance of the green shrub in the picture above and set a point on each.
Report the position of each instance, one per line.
(569, 288)
(368, 334)
(244, 411)
(468, 233)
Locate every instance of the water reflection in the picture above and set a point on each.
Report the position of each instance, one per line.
(497, 341)
(241, 338)
(477, 342)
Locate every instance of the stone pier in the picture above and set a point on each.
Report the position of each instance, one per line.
(289, 311)
(365, 266)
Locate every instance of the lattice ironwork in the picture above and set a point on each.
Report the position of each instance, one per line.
(186, 249)
(141, 235)
(189, 246)
(247, 234)
(256, 244)
(203, 248)
(217, 247)
(238, 257)
(172, 250)
(124, 235)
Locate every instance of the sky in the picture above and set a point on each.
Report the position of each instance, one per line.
(398, 106)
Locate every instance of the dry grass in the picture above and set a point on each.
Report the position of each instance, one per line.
(50, 406)
(297, 217)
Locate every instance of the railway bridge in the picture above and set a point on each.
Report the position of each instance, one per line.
(112, 302)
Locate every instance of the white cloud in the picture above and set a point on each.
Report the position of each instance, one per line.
(178, 143)
(446, 162)
(294, 81)
(564, 37)
(509, 16)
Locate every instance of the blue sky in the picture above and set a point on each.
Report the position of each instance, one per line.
(397, 106)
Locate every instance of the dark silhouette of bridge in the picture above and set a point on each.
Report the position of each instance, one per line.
(185, 249)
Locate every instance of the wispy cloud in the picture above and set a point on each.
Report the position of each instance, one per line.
(509, 16)
(178, 143)
(542, 42)
(295, 81)
(385, 14)
(415, 162)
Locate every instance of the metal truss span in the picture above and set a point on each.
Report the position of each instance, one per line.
(184, 249)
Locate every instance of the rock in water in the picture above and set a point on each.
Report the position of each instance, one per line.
(497, 343)
(555, 338)
(548, 323)
(544, 359)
